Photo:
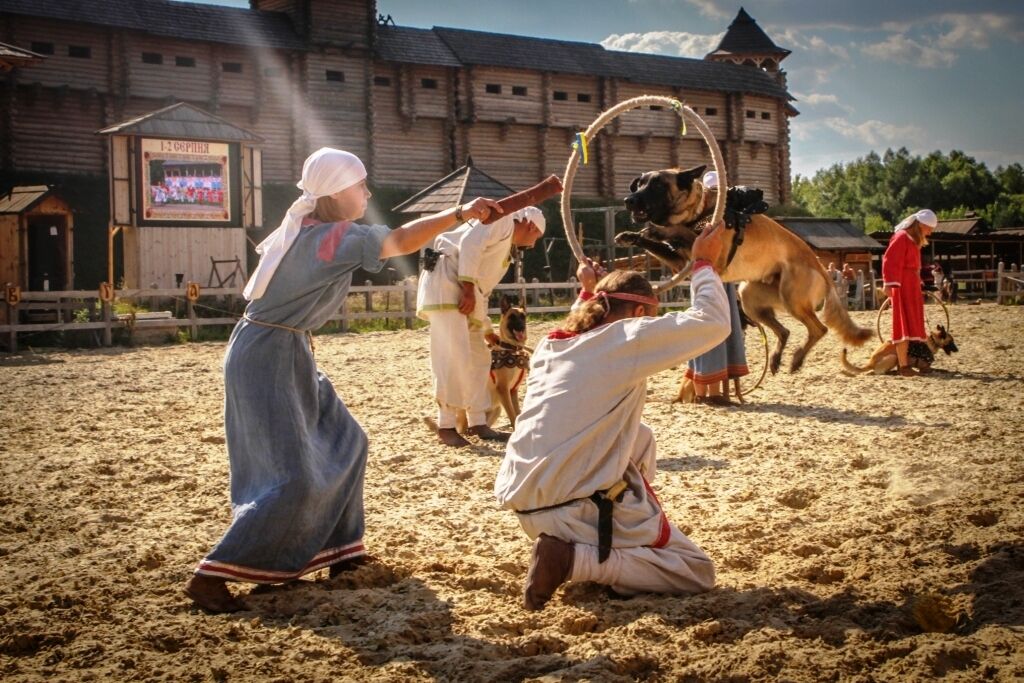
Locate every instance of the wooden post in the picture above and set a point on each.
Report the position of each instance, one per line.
(408, 308)
(535, 292)
(344, 315)
(12, 320)
(999, 283)
(108, 336)
(368, 297)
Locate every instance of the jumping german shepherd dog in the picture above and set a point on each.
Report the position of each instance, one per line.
(884, 358)
(779, 271)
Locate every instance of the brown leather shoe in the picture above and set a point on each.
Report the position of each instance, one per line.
(487, 434)
(450, 437)
(550, 567)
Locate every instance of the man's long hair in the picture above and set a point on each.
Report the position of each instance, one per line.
(594, 311)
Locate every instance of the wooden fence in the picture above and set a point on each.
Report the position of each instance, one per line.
(86, 311)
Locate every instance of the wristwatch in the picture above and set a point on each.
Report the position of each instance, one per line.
(458, 213)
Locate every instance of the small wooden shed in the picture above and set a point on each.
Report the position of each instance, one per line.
(461, 185)
(185, 186)
(36, 239)
(835, 240)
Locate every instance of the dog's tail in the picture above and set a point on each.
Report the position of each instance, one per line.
(837, 318)
(849, 368)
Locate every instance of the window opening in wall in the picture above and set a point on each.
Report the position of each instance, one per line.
(560, 96)
(493, 88)
(656, 107)
(42, 48)
(334, 76)
(231, 67)
(519, 90)
(710, 111)
(428, 83)
(79, 51)
(152, 58)
(766, 115)
(189, 62)
(582, 97)
(382, 81)
(751, 113)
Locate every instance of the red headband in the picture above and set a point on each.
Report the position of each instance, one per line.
(639, 298)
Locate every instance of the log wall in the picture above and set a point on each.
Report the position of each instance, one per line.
(153, 255)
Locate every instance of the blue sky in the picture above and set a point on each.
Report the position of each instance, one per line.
(867, 74)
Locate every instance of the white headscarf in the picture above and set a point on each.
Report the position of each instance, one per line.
(710, 180)
(325, 172)
(924, 216)
(532, 214)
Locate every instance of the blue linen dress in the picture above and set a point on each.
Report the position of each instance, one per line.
(296, 454)
(728, 360)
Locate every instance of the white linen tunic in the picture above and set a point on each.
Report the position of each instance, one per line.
(580, 432)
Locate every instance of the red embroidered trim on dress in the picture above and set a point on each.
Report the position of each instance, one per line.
(329, 242)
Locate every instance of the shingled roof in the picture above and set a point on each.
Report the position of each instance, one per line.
(697, 74)
(23, 198)
(961, 226)
(12, 56)
(182, 120)
(210, 23)
(468, 182)
(521, 52)
(744, 36)
(413, 46)
(830, 234)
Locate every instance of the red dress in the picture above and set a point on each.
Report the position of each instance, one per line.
(901, 270)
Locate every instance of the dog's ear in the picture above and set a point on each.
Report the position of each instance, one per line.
(504, 304)
(635, 184)
(684, 179)
(942, 330)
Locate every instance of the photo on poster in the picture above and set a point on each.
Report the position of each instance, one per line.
(186, 181)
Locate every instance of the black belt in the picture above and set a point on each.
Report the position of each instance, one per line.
(604, 501)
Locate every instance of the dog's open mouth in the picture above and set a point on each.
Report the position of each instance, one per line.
(520, 336)
(639, 215)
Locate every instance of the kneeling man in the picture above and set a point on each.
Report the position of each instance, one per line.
(579, 466)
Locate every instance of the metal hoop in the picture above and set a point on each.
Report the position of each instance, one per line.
(887, 304)
(603, 120)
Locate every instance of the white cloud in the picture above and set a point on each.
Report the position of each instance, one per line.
(822, 101)
(710, 8)
(877, 133)
(902, 49)
(675, 43)
(977, 30)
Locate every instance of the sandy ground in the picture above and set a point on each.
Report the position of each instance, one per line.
(851, 520)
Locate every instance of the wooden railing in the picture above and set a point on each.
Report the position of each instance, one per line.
(74, 311)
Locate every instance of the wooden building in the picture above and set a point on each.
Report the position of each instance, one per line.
(969, 244)
(410, 102)
(36, 240)
(184, 187)
(836, 240)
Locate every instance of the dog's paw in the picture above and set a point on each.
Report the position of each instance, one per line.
(626, 239)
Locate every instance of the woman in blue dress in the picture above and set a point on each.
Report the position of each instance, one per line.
(297, 456)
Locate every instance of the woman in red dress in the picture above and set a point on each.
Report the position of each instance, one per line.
(901, 275)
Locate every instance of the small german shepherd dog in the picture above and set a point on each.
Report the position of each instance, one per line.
(778, 269)
(510, 361)
(921, 354)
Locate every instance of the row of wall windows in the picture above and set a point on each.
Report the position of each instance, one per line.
(425, 83)
(765, 115)
(77, 51)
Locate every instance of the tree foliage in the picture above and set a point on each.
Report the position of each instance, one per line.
(878, 191)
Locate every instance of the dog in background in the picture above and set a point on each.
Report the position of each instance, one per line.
(510, 361)
(778, 270)
(921, 354)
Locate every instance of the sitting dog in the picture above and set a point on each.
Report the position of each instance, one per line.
(510, 361)
(921, 354)
(778, 270)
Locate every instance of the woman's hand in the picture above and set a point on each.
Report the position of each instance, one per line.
(588, 273)
(480, 209)
(708, 245)
(467, 302)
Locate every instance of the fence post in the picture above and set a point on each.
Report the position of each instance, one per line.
(999, 282)
(193, 328)
(368, 297)
(408, 311)
(344, 315)
(12, 320)
(108, 335)
(535, 294)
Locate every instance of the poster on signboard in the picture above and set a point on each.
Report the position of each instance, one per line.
(186, 182)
